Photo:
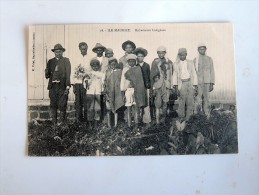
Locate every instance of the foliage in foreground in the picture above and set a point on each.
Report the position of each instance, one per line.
(200, 135)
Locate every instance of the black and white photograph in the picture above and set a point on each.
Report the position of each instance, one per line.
(131, 89)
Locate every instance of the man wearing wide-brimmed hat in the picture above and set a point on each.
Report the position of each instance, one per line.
(141, 53)
(160, 75)
(58, 72)
(128, 47)
(99, 49)
(206, 79)
(185, 81)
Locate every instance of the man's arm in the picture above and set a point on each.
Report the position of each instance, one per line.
(175, 76)
(212, 75)
(194, 74)
(153, 72)
(47, 70)
(68, 73)
(148, 76)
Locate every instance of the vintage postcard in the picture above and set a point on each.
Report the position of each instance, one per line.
(131, 89)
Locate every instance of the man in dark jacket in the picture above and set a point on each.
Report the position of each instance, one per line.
(58, 72)
(141, 53)
(160, 75)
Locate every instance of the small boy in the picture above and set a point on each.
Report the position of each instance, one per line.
(135, 92)
(141, 53)
(114, 99)
(94, 82)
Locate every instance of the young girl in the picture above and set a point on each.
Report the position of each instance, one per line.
(114, 99)
(94, 82)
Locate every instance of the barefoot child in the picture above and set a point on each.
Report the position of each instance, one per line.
(114, 99)
(141, 53)
(94, 87)
(135, 93)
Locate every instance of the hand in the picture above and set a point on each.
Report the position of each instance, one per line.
(66, 92)
(47, 74)
(211, 87)
(86, 76)
(176, 90)
(172, 91)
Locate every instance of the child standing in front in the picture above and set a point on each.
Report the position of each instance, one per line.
(135, 92)
(114, 99)
(94, 82)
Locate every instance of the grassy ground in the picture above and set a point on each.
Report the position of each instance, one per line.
(201, 135)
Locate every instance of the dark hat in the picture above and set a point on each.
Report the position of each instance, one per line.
(98, 45)
(58, 47)
(140, 50)
(128, 42)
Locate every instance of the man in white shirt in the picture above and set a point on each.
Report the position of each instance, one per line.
(185, 82)
(82, 67)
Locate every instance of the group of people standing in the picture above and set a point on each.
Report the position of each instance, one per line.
(105, 86)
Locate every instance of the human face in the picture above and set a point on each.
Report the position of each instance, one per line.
(161, 54)
(113, 65)
(108, 54)
(132, 62)
(202, 50)
(128, 48)
(99, 52)
(83, 49)
(95, 66)
(182, 56)
(58, 53)
(140, 57)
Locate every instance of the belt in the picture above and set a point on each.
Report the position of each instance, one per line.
(55, 81)
(186, 80)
